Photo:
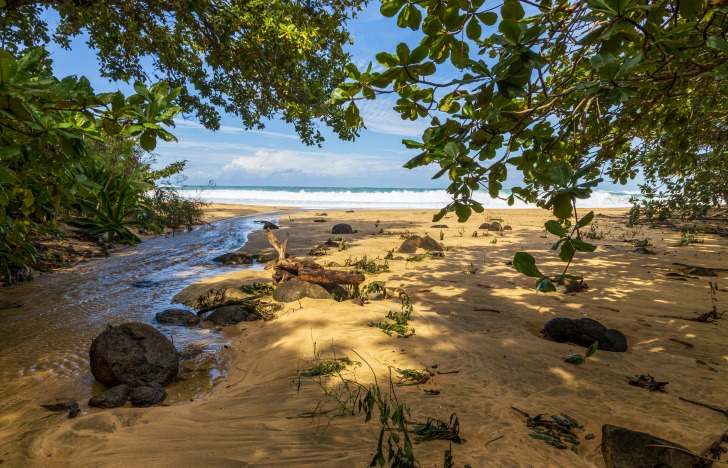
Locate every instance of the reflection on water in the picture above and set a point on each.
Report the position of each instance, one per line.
(46, 334)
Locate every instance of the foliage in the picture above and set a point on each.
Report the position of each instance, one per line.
(412, 376)
(434, 429)
(166, 208)
(258, 288)
(576, 358)
(365, 265)
(400, 320)
(556, 430)
(596, 86)
(254, 58)
(327, 367)
(46, 128)
(110, 218)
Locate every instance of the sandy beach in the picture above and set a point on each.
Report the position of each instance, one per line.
(477, 332)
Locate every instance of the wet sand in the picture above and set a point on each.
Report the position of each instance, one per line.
(475, 318)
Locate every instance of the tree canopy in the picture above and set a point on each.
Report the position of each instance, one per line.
(255, 59)
(599, 87)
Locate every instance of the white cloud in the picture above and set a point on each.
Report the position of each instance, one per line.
(379, 116)
(228, 130)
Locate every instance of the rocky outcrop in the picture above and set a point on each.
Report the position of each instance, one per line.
(228, 315)
(133, 354)
(412, 243)
(177, 317)
(585, 332)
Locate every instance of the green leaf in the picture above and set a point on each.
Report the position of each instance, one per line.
(511, 29)
(562, 205)
(463, 213)
(545, 285)
(585, 220)
(567, 251)
(6, 176)
(473, 29)
(417, 55)
(525, 264)
(390, 8)
(488, 18)
(592, 349)
(561, 173)
(148, 140)
(512, 9)
(717, 43)
(575, 359)
(583, 246)
(555, 228)
(8, 66)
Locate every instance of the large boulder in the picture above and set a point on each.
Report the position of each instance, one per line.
(623, 448)
(111, 398)
(585, 332)
(177, 317)
(293, 290)
(228, 315)
(342, 228)
(133, 354)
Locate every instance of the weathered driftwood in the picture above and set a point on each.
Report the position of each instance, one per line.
(307, 270)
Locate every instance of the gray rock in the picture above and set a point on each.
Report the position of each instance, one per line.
(410, 245)
(319, 220)
(235, 258)
(289, 291)
(428, 243)
(495, 226)
(269, 225)
(584, 332)
(177, 317)
(507, 228)
(147, 395)
(229, 315)
(342, 228)
(111, 398)
(133, 353)
(486, 226)
(643, 250)
(376, 296)
(623, 448)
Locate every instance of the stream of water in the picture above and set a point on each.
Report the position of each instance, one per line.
(47, 325)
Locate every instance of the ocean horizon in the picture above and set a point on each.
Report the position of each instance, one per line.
(370, 197)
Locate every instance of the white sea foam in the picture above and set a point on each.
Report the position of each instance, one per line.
(362, 198)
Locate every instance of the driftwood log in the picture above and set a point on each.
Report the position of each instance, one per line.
(307, 270)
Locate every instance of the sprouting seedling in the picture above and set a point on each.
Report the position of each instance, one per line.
(442, 235)
(576, 358)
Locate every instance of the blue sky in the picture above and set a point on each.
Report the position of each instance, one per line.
(275, 156)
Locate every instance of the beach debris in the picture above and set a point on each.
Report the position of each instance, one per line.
(328, 367)
(576, 358)
(71, 406)
(269, 225)
(571, 286)
(342, 228)
(624, 448)
(584, 332)
(449, 372)
(649, 382)
(177, 317)
(238, 258)
(114, 397)
(133, 353)
(434, 429)
(643, 250)
(431, 391)
(147, 395)
(439, 226)
(706, 405)
(699, 271)
(555, 430)
(413, 377)
(319, 220)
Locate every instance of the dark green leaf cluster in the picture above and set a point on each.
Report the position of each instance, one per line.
(255, 59)
(598, 86)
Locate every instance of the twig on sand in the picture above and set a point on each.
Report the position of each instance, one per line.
(706, 405)
(493, 440)
(449, 372)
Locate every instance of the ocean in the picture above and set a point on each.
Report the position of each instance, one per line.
(369, 198)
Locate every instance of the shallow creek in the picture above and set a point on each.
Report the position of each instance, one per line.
(47, 325)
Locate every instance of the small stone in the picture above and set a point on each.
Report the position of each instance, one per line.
(486, 226)
(230, 315)
(147, 395)
(235, 258)
(376, 296)
(177, 317)
(507, 228)
(269, 225)
(585, 332)
(702, 272)
(428, 243)
(111, 398)
(342, 228)
(319, 220)
(410, 245)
